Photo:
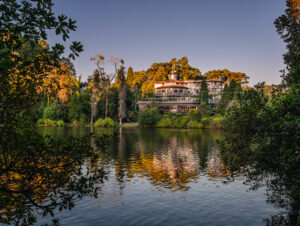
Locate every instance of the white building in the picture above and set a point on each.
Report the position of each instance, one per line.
(175, 95)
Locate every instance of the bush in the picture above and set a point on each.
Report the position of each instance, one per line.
(217, 121)
(194, 115)
(51, 123)
(40, 121)
(149, 117)
(76, 123)
(181, 121)
(165, 122)
(206, 122)
(108, 123)
(194, 125)
(60, 123)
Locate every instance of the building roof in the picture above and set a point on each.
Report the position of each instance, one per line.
(172, 86)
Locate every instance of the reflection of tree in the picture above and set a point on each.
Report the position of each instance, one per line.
(37, 177)
(282, 192)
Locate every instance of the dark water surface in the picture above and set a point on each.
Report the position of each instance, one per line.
(164, 177)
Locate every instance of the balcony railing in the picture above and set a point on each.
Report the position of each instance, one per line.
(175, 94)
(170, 100)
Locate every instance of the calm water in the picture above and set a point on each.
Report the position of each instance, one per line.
(164, 177)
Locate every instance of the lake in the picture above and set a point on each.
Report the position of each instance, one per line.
(164, 177)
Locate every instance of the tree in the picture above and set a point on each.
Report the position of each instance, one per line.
(239, 77)
(79, 108)
(262, 132)
(95, 89)
(203, 95)
(130, 77)
(159, 71)
(122, 94)
(225, 98)
(160, 75)
(149, 117)
(34, 168)
(105, 79)
(287, 26)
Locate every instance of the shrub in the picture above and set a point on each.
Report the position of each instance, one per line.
(108, 123)
(181, 121)
(149, 117)
(165, 122)
(40, 121)
(217, 121)
(206, 122)
(51, 123)
(194, 115)
(76, 123)
(60, 123)
(194, 125)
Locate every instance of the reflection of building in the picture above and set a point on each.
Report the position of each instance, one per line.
(215, 166)
(175, 95)
(172, 166)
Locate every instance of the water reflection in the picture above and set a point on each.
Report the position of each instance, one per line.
(39, 178)
(167, 158)
(172, 161)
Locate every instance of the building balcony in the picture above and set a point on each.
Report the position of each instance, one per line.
(169, 100)
(174, 94)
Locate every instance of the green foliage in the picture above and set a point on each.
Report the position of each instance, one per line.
(107, 123)
(149, 117)
(225, 98)
(217, 122)
(264, 134)
(51, 123)
(52, 112)
(133, 116)
(203, 110)
(181, 121)
(165, 122)
(206, 122)
(79, 107)
(203, 95)
(38, 174)
(195, 125)
(194, 115)
(231, 92)
(287, 26)
(192, 120)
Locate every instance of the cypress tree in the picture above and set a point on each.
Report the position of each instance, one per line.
(130, 76)
(203, 96)
(226, 97)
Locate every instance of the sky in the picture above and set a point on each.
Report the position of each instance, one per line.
(238, 35)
